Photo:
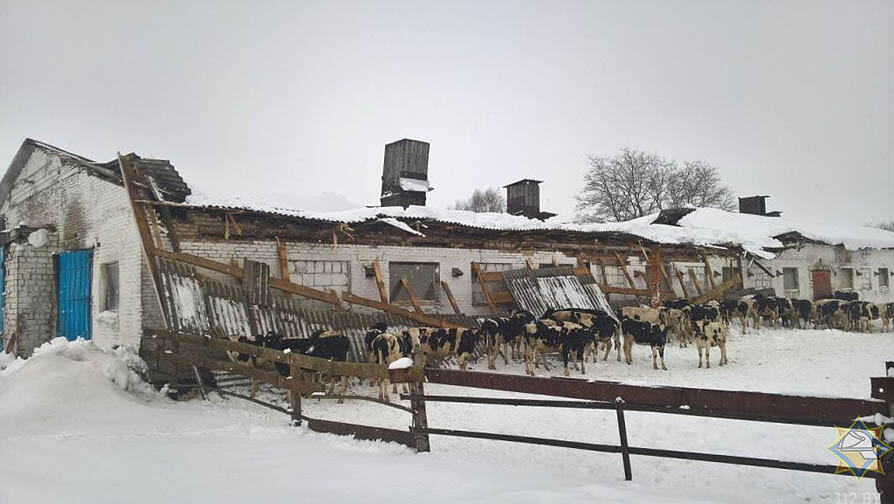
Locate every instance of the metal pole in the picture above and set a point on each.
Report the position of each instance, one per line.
(622, 431)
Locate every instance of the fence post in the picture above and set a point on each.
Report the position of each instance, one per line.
(295, 397)
(420, 419)
(622, 431)
(883, 388)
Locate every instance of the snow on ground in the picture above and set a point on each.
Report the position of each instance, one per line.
(76, 425)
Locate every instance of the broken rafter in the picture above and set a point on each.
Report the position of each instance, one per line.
(413, 299)
(623, 265)
(450, 298)
(709, 272)
(476, 270)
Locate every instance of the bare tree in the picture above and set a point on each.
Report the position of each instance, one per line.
(633, 184)
(488, 200)
(887, 226)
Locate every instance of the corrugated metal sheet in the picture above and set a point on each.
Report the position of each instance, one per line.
(75, 279)
(540, 290)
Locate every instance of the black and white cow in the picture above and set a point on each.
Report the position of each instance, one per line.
(832, 313)
(712, 334)
(387, 348)
(785, 312)
(846, 296)
(806, 312)
(458, 342)
(644, 333)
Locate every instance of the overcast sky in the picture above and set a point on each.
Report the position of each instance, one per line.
(790, 99)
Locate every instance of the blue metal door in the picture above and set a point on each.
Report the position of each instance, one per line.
(75, 279)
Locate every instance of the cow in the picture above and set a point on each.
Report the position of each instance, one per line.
(805, 310)
(515, 330)
(322, 344)
(699, 315)
(712, 334)
(370, 335)
(677, 304)
(785, 311)
(388, 347)
(493, 330)
(678, 322)
(887, 313)
(831, 312)
(574, 342)
(459, 342)
(643, 314)
(755, 307)
(541, 337)
(644, 333)
(728, 309)
(603, 326)
(846, 296)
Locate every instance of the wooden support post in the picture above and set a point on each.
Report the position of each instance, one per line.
(709, 272)
(682, 282)
(380, 282)
(623, 265)
(604, 277)
(283, 260)
(419, 429)
(413, 299)
(667, 282)
(694, 277)
(528, 263)
(450, 298)
(295, 397)
(476, 270)
(622, 433)
(655, 280)
(883, 389)
(741, 272)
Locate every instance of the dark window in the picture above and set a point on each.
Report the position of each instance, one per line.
(422, 277)
(728, 273)
(110, 283)
(846, 278)
(790, 278)
(883, 277)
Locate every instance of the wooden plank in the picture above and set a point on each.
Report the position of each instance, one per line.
(581, 271)
(237, 273)
(604, 279)
(413, 299)
(450, 298)
(528, 263)
(694, 277)
(476, 270)
(502, 297)
(380, 281)
(298, 386)
(655, 280)
(491, 276)
(709, 272)
(717, 292)
(669, 286)
(156, 232)
(610, 289)
(680, 279)
(626, 273)
(283, 262)
(418, 317)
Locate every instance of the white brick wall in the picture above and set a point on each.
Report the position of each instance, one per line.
(88, 212)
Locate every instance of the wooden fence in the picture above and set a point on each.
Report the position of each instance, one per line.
(189, 350)
(738, 405)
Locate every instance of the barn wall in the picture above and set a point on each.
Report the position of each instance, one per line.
(813, 256)
(87, 212)
(326, 267)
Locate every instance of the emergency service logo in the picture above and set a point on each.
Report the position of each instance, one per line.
(859, 449)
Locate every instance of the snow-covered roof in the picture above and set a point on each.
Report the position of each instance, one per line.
(708, 227)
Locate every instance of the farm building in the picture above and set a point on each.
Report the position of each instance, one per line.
(78, 234)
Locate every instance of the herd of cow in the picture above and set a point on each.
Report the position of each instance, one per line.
(577, 334)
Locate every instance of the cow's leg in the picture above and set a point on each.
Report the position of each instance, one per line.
(543, 358)
(565, 358)
(507, 348)
(723, 359)
(628, 343)
(654, 357)
(608, 349)
(530, 356)
(661, 355)
(463, 360)
(707, 354)
(701, 350)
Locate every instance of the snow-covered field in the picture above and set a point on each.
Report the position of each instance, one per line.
(77, 425)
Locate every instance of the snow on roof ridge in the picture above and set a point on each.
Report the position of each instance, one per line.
(709, 227)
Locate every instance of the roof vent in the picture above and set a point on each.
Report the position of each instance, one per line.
(405, 174)
(756, 205)
(523, 198)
